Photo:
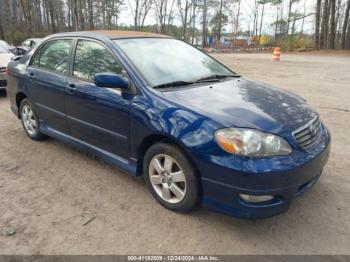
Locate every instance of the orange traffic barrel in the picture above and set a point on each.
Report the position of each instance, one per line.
(276, 54)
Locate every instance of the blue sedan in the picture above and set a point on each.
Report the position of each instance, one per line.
(199, 133)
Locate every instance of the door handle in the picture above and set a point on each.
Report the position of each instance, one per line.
(71, 89)
(31, 75)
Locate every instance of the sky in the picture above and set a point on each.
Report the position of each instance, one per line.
(245, 14)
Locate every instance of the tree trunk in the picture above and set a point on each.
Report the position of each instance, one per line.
(25, 14)
(289, 14)
(2, 32)
(218, 37)
(184, 24)
(325, 22)
(276, 23)
(81, 16)
(331, 43)
(347, 41)
(345, 25)
(91, 14)
(204, 25)
(261, 21)
(52, 16)
(317, 25)
(76, 15)
(237, 17)
(136, 14)
(194, 21)
(2, 16)
(256, 14)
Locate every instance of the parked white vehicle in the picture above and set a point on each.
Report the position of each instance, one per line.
(5, 58)
(11, 48)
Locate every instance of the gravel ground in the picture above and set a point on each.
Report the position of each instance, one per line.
(57, 200)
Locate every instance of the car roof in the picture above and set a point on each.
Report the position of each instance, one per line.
(34, 39)
(114, 34)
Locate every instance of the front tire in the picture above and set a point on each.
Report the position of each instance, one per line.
(30, 120)
(171, 178)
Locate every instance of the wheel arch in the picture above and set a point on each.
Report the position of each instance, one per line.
(19, 98)
(150, 140)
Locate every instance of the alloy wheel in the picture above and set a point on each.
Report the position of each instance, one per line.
(167, 178)
(29, 120)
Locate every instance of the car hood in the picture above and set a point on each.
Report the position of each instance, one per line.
(244, 103)
(5, 58)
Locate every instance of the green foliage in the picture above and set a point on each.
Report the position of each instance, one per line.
(215, 22)
(16, 37)
(296, 41)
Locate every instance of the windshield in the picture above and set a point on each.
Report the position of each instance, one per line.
(163, 60)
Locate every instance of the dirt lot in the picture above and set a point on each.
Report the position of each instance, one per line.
(48, 191)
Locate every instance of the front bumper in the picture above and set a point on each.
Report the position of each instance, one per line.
(221, 190)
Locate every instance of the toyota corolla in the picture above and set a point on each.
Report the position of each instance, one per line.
(198, 132)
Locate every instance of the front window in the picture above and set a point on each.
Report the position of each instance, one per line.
(92, 58)
(164, 60)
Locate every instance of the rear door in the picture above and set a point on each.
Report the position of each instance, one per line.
(48, 78)
(96, 115)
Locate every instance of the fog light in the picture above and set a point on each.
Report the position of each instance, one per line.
(255, 199)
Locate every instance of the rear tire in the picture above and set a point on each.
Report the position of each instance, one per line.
(30, 120)
(171, 178)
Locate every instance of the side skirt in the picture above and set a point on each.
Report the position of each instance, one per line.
(125, 165)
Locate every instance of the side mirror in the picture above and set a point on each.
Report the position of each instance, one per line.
(111, 80)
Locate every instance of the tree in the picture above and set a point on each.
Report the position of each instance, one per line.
(256, 16)
(237, 17)
(193, 19)
(204, 24)
(263, 3)
(325, 24)
(140, 10)
(217, 22)
(2, 31)
(164, 14)
(345, 24)
(276, 4)
(290, 5)
(317, 25)
(331, 43)
(184, 16)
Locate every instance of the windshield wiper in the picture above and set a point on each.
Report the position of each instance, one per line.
(214, 78)
(173, 84)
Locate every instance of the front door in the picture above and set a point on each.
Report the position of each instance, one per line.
(97, 116)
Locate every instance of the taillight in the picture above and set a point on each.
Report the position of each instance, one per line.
(6, 71)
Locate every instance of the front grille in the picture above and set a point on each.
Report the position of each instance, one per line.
(308, 134)
(2, 69)
(3, 83)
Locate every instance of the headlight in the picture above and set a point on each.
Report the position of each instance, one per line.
(251, 142)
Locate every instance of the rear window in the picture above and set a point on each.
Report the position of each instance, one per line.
(53, 56)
